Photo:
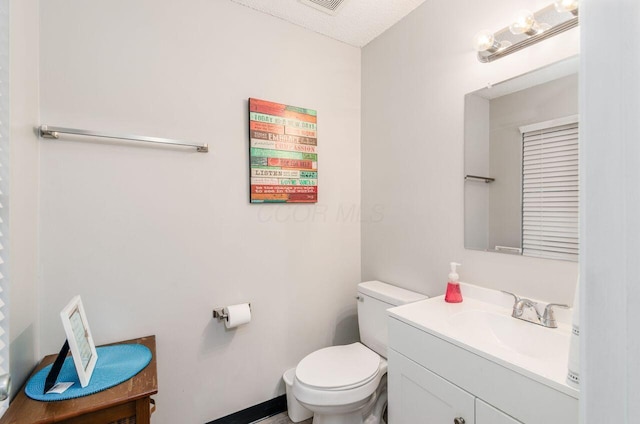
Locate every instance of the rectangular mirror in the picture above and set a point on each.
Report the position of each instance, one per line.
(521, 164)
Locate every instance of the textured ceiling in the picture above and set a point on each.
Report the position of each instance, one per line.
(357, 22)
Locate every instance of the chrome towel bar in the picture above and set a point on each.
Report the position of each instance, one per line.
(47, 131)
(475, 177)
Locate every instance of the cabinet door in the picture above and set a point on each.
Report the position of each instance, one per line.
(418, 396)
(487, 414)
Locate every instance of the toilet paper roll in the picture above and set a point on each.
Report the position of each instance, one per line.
(237, 315)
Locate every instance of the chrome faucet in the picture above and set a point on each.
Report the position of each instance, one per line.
(527, 310)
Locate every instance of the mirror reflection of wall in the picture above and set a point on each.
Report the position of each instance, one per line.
(494, 117)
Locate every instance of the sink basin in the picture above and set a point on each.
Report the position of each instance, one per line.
(512, 334)
(483, 325)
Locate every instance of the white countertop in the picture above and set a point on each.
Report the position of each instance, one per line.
(482, 324)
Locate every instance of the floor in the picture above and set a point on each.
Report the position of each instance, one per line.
(282, 419)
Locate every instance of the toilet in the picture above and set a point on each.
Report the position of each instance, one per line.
(348, 384)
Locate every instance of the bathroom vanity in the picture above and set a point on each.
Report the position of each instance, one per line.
(472, 363)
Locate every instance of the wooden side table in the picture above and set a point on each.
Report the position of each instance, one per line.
(127, 403)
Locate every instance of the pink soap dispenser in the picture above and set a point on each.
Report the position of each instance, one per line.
(453, 286)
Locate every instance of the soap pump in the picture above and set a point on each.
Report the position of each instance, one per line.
(453, 286)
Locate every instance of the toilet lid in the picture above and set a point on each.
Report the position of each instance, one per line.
(338, 366)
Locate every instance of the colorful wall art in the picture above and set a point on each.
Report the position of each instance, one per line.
(283, 152)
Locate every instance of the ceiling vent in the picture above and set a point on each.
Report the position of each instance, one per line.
(327, 6)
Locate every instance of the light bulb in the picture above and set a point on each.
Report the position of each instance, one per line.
(567, 6)
(524, 23)
(484, 41)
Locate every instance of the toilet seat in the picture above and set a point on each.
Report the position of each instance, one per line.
(339, 367)
(339, 375)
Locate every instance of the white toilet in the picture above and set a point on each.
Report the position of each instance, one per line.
(348, 384)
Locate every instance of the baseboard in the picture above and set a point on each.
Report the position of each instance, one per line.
(256, 412)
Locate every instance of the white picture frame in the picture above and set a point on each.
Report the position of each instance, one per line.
(83, 350)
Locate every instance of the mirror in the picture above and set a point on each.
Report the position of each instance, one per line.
(521, 164)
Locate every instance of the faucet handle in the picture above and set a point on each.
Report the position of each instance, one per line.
(549, 318)
(516, 298)
(559, 305)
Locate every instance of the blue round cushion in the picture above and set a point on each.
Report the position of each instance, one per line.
(115, 364)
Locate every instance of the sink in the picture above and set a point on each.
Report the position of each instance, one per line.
(483, 325)
(512, 334)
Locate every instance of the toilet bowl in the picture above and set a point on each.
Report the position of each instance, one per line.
(341, 384)
(348, 384)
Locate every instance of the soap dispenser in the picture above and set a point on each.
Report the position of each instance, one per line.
(453, 286)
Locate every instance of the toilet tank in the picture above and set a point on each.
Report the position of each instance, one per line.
(374, 298)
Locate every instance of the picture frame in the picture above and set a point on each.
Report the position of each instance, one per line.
(283, 153)
(83, 349)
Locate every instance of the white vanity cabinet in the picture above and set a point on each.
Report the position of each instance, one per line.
(487, 414)
(433, 380)
(416, 395)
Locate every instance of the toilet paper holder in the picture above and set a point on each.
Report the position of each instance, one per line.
(219, 313)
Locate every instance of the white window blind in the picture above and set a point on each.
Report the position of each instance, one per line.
(550, 196)
(4, 190)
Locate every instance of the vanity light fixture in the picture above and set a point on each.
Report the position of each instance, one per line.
(524, 23)
(527, 29)
(567, 6)
(484, 41)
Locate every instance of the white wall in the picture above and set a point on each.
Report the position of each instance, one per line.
(23, 210)
(154, 238)
(610, 226)
(414, 78)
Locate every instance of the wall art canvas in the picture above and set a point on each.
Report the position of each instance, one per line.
(283, 153)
